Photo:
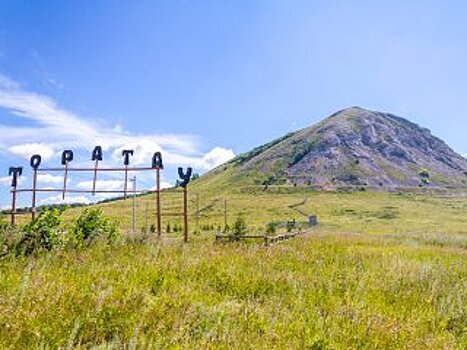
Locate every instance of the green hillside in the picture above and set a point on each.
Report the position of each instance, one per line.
(381, 271)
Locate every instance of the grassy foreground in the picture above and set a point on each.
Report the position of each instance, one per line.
(381, 272)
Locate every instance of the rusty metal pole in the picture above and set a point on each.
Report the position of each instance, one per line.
(96, 164)
(126, 182)
(16, 173)
(197, 214)
(185, 214)
(34, 186)
(133, 221)
(67, 157)
(13, 206)
(65, 178)
(126, 161)
(158, 202)
(225, 214)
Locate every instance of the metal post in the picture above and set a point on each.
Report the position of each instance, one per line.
(65, 177)
(146, 226)
(134, 204)
(185, 214)
(197, 214)
(34, 186)
(126, 182)
(158, 202)
(95, 177)
(13, 206)
(16, 173)
(126, 161)
(225, 213)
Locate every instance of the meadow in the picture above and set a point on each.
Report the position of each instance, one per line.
(381, 271)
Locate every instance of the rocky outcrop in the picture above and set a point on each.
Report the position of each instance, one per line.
(356, 147)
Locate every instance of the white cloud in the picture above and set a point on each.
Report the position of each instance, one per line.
(5, 180)
(7, 83)
(216, 157)
(164, 184)
(143, 149)
(68, 200)
(29, 149)
(50, 179)
(58, 129)
(53, 129)
(102, 185)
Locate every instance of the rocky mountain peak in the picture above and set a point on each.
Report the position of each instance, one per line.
(356, 147)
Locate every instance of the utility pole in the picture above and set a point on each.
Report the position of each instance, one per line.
(146, 229)
(158, 202)
(185, 214)
(225, 214)
(134, 204)
(197, 214)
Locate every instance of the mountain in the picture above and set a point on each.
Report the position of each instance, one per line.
(353, 147)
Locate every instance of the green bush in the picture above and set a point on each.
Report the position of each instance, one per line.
(3, 224)
(43, 233)
(9, 237)
(271, 228)
(291, 225)
(92, 225)
(240, 227)
(424, 177)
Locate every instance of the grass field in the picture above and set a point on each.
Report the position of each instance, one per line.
(382, 271)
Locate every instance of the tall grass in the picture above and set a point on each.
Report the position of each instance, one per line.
(381, 272)
(323, 291)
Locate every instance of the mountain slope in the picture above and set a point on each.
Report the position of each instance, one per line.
(353, 147)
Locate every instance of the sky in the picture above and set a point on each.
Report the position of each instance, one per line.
(204, 80)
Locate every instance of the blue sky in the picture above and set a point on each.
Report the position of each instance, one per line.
(202, 80)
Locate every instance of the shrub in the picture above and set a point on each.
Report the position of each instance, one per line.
(291, 225)
(9, 237)
(424, 177)
(3, 224)
(240, 227)
(91, 225)
(43, 233)
(271, 228)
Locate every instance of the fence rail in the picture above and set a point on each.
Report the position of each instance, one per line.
(268, 240)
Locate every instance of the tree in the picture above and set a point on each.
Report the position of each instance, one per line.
(239, 227)
(424, 177)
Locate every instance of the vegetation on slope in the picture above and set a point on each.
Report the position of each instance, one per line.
(382, 271)
(49, 232)
(322, 291)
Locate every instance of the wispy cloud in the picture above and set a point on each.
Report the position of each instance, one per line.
(50, 128)
(55, 128)
(50, 179)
